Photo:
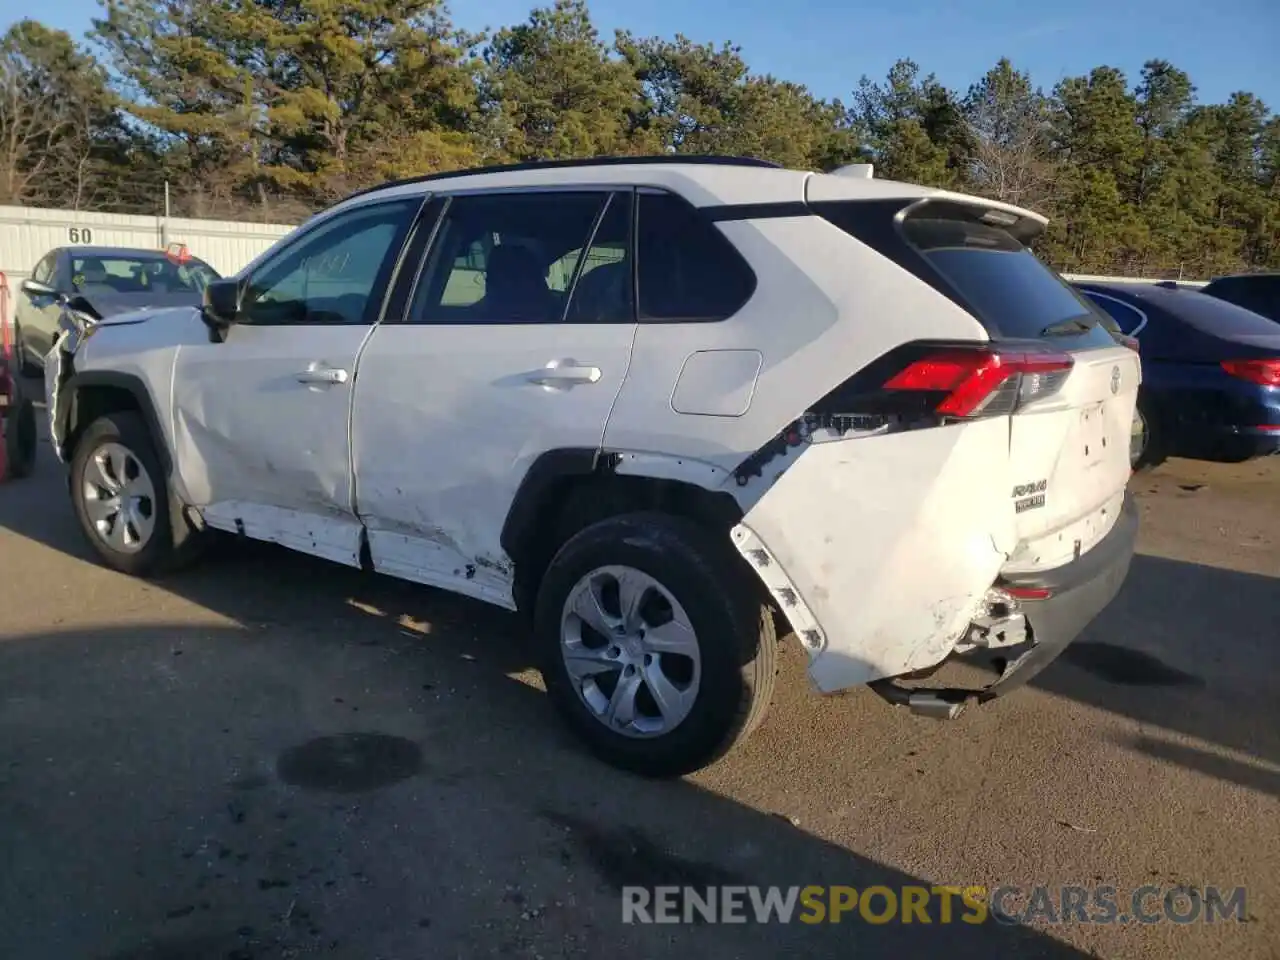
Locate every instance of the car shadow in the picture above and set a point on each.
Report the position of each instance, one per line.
(1190, 649)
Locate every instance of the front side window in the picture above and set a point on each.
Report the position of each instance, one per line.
(507, 257)
(335, 273)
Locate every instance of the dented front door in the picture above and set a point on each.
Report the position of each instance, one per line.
(260, 423)
(262, 420)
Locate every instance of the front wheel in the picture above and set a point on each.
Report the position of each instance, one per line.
(121, 498)
(652, 644)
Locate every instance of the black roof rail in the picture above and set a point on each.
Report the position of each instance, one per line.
(582, 162)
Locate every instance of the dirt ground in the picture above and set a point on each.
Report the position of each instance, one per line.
(269, 756)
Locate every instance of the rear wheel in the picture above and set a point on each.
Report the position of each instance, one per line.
(652, 644)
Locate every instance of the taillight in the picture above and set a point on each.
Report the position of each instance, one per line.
(1127, 341)
(972, 382)
(919, 385)
(1263, 372)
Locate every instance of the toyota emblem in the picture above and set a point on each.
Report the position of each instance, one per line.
(1115, 379)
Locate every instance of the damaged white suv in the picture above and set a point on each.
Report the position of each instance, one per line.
(670, 408)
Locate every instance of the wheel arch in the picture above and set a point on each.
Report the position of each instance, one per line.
(95, 393)
(568, 489)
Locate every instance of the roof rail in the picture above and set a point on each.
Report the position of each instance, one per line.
(582, 162)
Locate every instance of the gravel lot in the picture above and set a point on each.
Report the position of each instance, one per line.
(269, 756)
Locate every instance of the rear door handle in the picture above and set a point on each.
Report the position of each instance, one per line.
(564, 373)
(321, 373)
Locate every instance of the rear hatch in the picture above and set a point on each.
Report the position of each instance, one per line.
(1069, 429)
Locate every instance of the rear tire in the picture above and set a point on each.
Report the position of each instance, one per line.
(121, 497)
(703, 644)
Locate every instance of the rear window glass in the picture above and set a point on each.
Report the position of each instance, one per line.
(1211, 315)
(1002, 283)
(1261, 294)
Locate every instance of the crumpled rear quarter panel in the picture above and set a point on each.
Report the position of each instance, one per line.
(890, 543)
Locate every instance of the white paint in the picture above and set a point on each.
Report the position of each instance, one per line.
(825, 306)
(717, 383)
(859, 171)
(437, 563)
(330, 537)
(888, 544)
(248, 431)
(1078, 441)
(446, 423)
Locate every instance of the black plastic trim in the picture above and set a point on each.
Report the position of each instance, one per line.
(720, 213)
(412, 258)
(121, 381)
(548, 469)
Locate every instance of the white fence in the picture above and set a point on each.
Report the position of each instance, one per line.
(28, 233)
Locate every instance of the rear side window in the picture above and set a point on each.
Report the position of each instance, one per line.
(980, 266)
(688, 269)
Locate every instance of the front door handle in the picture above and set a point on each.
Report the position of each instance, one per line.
(562, 374)
(321, 373)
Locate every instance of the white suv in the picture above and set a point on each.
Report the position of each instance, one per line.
(668, 407)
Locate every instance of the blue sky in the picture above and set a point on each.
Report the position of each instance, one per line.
(828, 44)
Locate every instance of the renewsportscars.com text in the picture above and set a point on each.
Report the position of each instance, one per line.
(1102, 904)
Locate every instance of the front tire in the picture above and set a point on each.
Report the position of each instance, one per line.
(121, 498)
(653, 647)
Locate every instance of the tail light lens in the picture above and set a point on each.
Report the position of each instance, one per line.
(977, 382)
(1263, 372)
(921, 385)
(1128, 341)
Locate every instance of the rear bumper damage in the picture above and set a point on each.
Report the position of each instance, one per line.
(1056, 605)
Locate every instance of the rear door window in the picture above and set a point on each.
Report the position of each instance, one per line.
(507, 257)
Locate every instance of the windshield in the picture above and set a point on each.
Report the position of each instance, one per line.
(125, 274)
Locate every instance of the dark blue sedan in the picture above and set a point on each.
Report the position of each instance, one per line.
(1210, 372)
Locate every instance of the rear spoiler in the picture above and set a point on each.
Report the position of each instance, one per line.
(1026, 226)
